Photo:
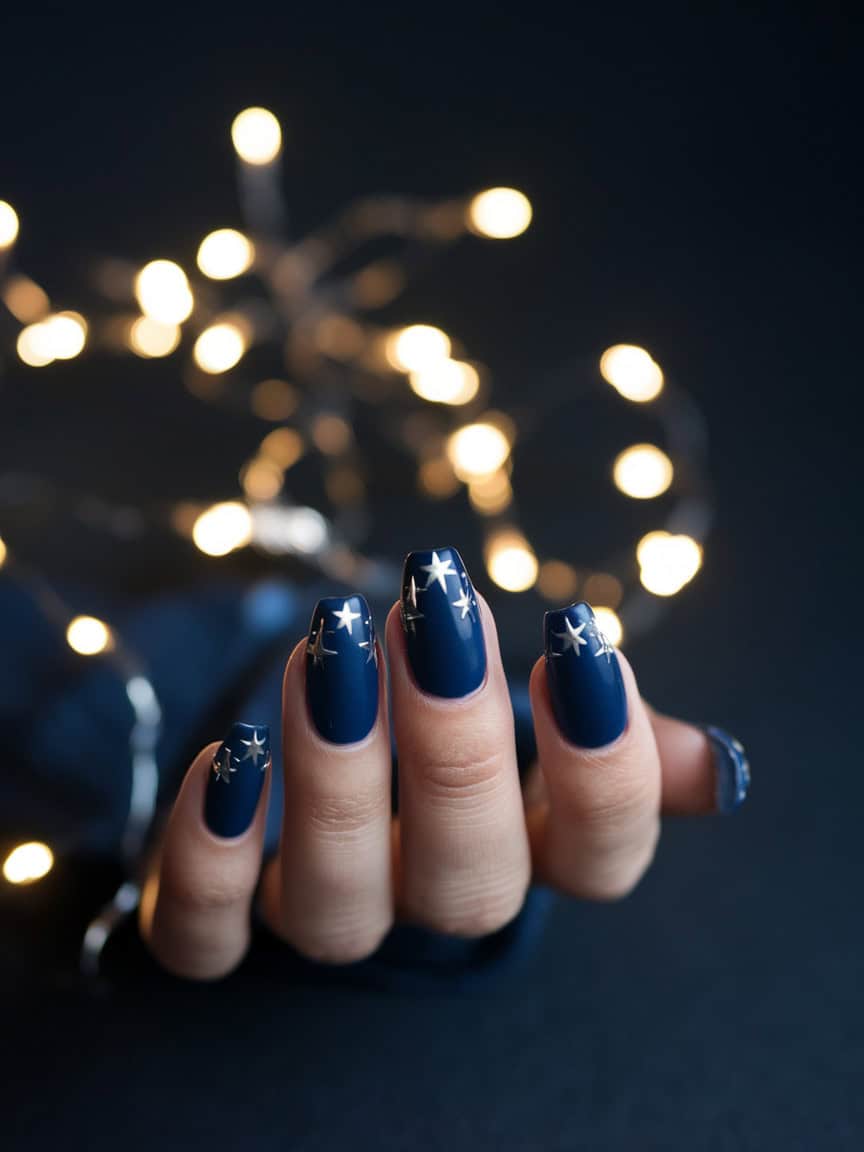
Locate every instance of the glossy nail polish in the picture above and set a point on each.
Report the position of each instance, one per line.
(342, 669)
(441, 621)
(731, 767)
(236, 778)
(584, 677)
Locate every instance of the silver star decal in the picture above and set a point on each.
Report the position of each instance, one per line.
(408, 608)
(438, 570)
(465, 602)
(255, 748)
(372, 653)
(316, 649)
(223, 767)
(572, 638)
(605, 648)
(346, 618)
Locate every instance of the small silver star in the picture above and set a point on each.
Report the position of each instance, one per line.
(346, 618)
(605, 648)
(408, 608)
(254, 749)
(372, 653)
(316, 649)
(572, 638)
(223, 767)
(465, 602)
(438, 570)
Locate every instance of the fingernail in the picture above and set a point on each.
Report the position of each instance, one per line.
(342, 669)
(236, 778)
(731, 768)
(441, 621)
(584, 676)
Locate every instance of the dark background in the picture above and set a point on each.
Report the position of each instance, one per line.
(695, 181)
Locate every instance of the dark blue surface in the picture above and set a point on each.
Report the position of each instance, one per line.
(441, 621)
(342, 669)
(585, 684)
(236, 777)
(732, 769)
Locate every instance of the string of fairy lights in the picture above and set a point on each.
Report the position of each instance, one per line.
(306, 306)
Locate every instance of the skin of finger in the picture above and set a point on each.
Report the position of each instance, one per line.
(195, 908)
(688, 768)
(329, 892)
(598, 832)
(464, 857)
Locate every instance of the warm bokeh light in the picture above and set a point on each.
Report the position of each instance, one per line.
(225, 253)
(88, 636)
(510, 561)
(150, 338)
(284, 446)
(609, 623)
(477, 449)
(222, 528)
(25, 299)
(499, 213)
(2, 552)
(8, 225)
(642, 471)
(28, 862)
(632, 372)
(437, 478)
(262, 479)
(603, 588)
(490, 495)
(667, 562)
(339, 336)
(257, 136)
(274, 400)
(446, 382)
(34, 345)
(417, 347)
(163, 293)
(219, 348)
(277, 529)
(331, 433)
(67, 332)
(557, 581)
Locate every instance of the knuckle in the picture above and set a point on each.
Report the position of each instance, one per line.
(614, 876)
(612, 800)
(211, 890)
(476, 912)
(351, 813)
(463, 770)
(338, 945)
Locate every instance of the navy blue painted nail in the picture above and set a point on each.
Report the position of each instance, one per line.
(585, 684)
(731, 767)
(236, 778)
(443, 632)
(342, 669)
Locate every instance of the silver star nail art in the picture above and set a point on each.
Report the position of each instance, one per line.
(439, 570)
(316, 648)
(408, 608)
(222, 765)
(370, 645)
(465, 602)
(605, 648)
(255, 748)
(346, 618)
(572, 638)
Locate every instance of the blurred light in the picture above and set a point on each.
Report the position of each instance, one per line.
(344, 486)
(490, 495)
(219, 348)
(642, 471)
(225, 253)
(610, 625)
(163, 293)
(339, 336)
(222, 528)
(278, 529)
(378, 284)
(274, 400)
(284, 446)
(34, 345)
(477, 449)
(437, 478)
(262, 479)
(667, 562)
(28, 862)
(446, 382)
(500, 213)
(632, 372)
(557, 580)
(25, 299)
(88, 636)
(67, 333)
(603, 588)
(417, 347)
(8, 225)
(150, 338)
(3, 552)
(510, 561)
(331, 433)
(257, 136)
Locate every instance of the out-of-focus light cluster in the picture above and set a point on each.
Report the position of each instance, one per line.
(477, 450)
(632, 372)
(222, 528)
(25, 299)
(3, 552)
(510, 561)
(257, 136)
(667, 562)
(28, 863)
(60, 337)
(225, 254)
(417, 348)
(163, 293)
(446, 382)
(500, 213)
(150, 338)
(8, 225)
(642, 471)
(88, 636)
(219, 348)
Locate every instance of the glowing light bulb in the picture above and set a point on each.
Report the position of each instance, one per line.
(446, 382)
(257, 136)
(8, 225)
(163, 293)
(477, 449)
(642, 471)
(417, 347)
(632, 372)
(222, 528)
(28, 863)
(510, 562)
(500, 213)
(224, 254)
(67, 335)
(667, 562)
(219, 348)
(609, 623)
(34, 345)
(88, 636)
(150, 338)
